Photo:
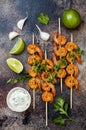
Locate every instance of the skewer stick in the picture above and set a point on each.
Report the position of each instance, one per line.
(59, 20)
(33, 38)
(71, 90)
(34, 99)
(46, 113)
(59, 26)
(46, 102)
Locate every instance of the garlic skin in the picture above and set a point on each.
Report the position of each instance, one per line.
(13, 34)
(21, 22)
(44, 35)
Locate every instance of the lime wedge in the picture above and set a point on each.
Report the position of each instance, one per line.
(18, 47)
(15, 65)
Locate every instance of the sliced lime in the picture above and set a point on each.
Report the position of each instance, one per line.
(18, 47)
(15, 65)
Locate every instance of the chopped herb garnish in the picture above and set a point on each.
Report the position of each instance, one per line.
(56, 67)
(79, 51)
(21, 77)
(51, 77)
(43, 18)
(63, 61)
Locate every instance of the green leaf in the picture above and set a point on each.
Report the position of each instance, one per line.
(56, 107)
(66, 106)
(60, 101)
(60, 121)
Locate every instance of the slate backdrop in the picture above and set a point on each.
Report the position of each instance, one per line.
(10, 12)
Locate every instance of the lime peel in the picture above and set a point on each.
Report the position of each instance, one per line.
(71, 18)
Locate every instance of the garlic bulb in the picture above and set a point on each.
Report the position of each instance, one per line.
(13, 34)
(44, 35)
(21, 22)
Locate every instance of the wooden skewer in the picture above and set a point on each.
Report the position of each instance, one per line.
(71, 90)
(59, 20)
(34, 99)
(59, 26)
(33, 38)
(46, 113)
(46, 102)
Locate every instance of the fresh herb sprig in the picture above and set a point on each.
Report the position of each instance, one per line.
(61, 106)
(22, 77)
(43, 18)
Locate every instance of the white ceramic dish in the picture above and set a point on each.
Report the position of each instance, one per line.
(18, 99)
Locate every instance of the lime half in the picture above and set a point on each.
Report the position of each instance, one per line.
(15, 65)
(18, 47)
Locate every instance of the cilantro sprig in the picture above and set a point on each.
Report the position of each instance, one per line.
(43, 18)
(61, 106)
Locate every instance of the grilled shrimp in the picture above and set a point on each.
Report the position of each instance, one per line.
(62, 62)
(70, 57)
(71, 81)
(45, 75)
(60, 40)
(70, 46)
(32, 72)
(32, 49)
(33, 58)
(72, 69)
(47, 96)
(61, 73)
(59, 52)
(34, 83)
(49, 87)
(49, 63)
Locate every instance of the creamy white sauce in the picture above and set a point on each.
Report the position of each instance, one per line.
(19, 100)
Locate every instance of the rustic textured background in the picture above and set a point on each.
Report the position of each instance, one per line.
(10, 12)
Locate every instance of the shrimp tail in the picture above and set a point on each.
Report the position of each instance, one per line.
(77, 86)
(54, 59)
(55, 36)
(79, 59)
(53, 90)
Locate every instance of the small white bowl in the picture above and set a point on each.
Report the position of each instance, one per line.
(18, 99)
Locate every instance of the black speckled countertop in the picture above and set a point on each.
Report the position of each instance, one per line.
(11, 11)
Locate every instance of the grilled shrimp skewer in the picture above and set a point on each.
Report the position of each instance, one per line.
(34, 82)
(49, 88)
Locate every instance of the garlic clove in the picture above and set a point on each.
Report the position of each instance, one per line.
(44, 35)
(21, 22)
(13, 34)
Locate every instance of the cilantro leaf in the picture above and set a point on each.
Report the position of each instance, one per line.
(60, 121)
(43, 18)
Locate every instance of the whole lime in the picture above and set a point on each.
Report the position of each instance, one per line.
(71, 18)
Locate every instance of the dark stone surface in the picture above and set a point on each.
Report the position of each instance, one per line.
(10, 12)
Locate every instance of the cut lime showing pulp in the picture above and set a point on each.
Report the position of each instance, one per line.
(15, 65)
(18, 47)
